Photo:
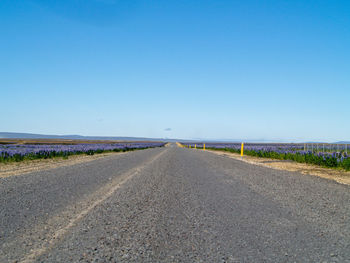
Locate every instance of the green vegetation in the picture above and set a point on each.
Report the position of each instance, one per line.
(64, 155)
(329, 160)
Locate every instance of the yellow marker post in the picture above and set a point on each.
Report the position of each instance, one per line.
(189, 146)
(203, 146)
(195, 146)
(242, 149)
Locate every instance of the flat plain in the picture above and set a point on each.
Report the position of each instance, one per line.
(172, 204)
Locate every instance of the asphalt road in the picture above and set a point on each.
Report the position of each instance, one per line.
(172, 205)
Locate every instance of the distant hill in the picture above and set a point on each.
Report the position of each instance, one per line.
(15, 135)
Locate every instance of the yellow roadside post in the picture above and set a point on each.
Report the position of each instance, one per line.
(195, 146)
(242, 149)
(203, 146)
(189, 146)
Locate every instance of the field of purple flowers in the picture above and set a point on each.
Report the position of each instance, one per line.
(327, 155)
(20, 152)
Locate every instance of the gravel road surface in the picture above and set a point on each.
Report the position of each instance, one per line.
(172, 205)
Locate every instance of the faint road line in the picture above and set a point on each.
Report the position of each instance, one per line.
(62, 231)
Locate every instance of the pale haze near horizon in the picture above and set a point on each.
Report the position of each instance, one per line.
(184, 69)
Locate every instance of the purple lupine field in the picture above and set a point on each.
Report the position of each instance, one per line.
(18, 152)
(328, 155)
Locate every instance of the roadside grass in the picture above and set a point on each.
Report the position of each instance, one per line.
(326, 162)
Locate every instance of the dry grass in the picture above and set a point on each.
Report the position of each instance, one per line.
(339, 176)
(18, 168)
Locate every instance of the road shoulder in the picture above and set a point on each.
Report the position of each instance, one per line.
(342, 177)
(24, 167)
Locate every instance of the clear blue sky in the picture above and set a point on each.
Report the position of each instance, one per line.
(275, 70)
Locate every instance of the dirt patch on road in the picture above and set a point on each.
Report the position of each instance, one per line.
(17, 168)
(339, 176)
